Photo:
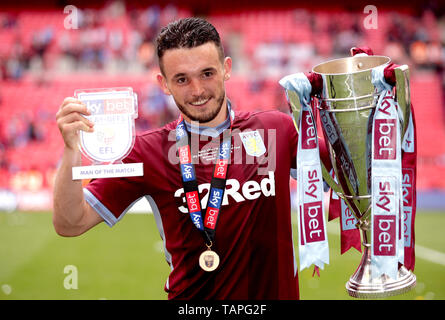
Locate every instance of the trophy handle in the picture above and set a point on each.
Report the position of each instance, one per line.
(403, 93)
(330, 181)
(295, 105)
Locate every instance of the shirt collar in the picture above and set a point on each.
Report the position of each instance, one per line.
(212, 131)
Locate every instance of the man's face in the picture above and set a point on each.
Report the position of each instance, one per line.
(195, 78)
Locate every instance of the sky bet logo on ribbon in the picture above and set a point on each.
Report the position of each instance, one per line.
(214, 204)
(223, 160)
(194, 208)
(188, 173)
(180, 131)
(224, 150)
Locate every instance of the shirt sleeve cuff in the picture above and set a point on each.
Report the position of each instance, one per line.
(293, 173)
(106, 214)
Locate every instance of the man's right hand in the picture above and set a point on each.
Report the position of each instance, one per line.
(72, 215)
(70, 119)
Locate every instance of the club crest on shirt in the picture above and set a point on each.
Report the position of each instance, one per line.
(253, 143)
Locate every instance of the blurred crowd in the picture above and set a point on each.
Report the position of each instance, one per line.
(120, 39)
(117, 39)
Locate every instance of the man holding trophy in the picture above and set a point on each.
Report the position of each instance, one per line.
(218, 179)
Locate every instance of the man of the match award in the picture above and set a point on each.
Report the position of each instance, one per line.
(113, 112)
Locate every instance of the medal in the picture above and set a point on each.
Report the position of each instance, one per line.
(209, 260)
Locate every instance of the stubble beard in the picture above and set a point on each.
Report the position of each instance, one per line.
(203, 117)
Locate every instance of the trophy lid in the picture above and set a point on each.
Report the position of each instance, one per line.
(350, 65)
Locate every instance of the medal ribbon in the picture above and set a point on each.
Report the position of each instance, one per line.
(206, 220)
(386, 182)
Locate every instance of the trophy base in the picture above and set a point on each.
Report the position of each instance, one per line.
(361, 285)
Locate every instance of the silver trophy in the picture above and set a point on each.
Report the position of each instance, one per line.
(346, 107)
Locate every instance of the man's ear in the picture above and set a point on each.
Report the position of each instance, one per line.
(162, 82)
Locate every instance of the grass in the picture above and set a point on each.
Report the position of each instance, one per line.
(127, 261)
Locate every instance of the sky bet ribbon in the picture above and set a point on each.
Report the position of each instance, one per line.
(387, 245)
(313, 240)
(206, 220)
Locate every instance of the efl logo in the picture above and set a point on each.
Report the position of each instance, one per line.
(384, 235)
(221, 168)
(385, 139)
(188, 173)
(118, 106)
(184, 155)
(313, 222)
(308, 133)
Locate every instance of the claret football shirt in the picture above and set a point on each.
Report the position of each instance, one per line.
(253, 234)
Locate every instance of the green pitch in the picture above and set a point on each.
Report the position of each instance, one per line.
(127, 261)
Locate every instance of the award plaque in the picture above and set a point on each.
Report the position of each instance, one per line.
(113, 112)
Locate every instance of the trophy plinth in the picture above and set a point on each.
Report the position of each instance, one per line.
(361, 285)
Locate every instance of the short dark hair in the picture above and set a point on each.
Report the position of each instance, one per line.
(187, 33)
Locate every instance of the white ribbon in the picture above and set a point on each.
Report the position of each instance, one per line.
(386, 182)
(313, 240)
